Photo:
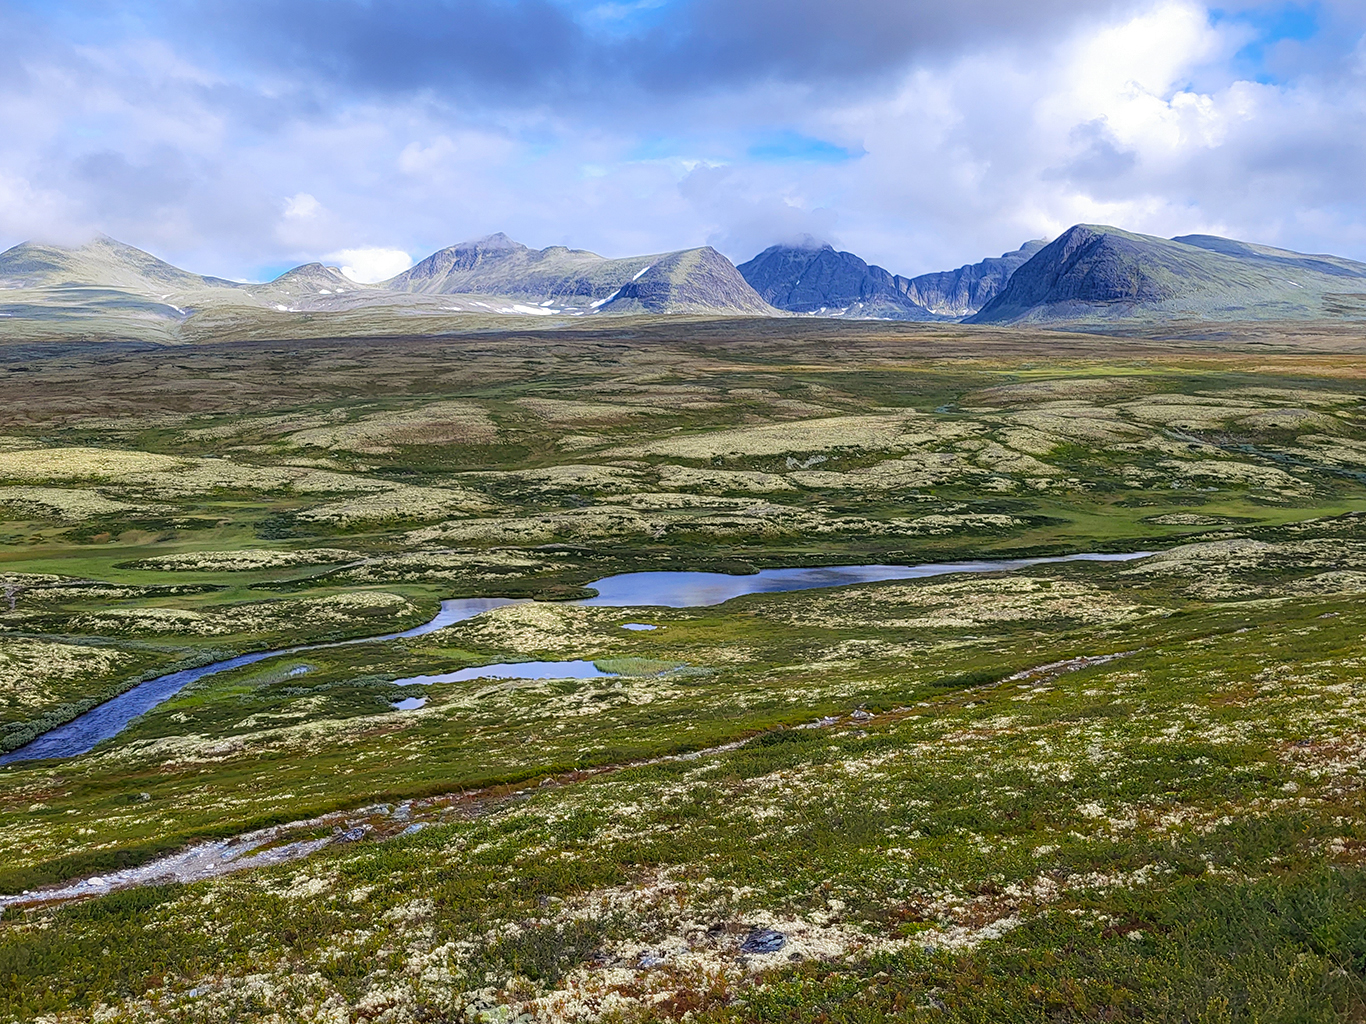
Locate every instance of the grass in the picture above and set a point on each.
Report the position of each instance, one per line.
(948, 813)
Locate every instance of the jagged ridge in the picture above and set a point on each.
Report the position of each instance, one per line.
(815, 278)
(964, 291)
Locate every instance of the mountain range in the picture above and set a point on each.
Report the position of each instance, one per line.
(1090, 274)
(493, 275)
(575, 281)
(812, 277)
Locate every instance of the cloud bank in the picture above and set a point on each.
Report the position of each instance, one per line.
(242, 138)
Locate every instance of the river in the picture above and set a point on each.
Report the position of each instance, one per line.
(628, 590)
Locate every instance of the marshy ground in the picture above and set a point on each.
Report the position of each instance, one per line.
(946, 797)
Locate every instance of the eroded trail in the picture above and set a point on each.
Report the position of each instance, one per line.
(295, 840)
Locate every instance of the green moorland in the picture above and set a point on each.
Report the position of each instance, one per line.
(1077, 791)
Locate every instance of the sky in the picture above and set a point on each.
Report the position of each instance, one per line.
(243, 137)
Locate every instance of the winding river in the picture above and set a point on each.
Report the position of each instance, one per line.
(629, 590)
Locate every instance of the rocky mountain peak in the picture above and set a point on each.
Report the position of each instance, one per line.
(496, 242)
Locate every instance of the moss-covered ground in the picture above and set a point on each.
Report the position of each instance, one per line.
(1078, 791)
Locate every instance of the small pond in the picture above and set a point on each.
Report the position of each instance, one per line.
(513, 670)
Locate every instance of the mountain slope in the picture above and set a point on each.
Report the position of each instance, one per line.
(1334, 266)
(691, 280)
(1089, 275)
(101, 263)
(1096, 273)
(107, 287)
(964, 291)
(104, 287)
(817, 279)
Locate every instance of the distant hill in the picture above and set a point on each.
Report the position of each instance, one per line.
(102, 262)
(814, 278)
(1093, 273)
(107, 289)
(575, 280)
(105, 265)
(102, 278)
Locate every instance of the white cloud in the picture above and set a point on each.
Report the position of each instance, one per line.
(302, 207)
(445, 154)
(980, 153)
(38, 214)
(367, 266)
(1145, 120)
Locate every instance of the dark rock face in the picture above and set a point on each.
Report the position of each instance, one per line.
(816, 279)
(1086, 264)
(964, 291)
(1095, 273)
(811, 279)
(764, 940)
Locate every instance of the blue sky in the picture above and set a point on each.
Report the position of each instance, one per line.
(794, 147)
(1265, 27)
(241, 137)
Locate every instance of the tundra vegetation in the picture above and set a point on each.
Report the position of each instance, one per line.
(1077, 791)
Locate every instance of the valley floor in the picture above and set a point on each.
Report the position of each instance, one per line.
(1075, 791)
